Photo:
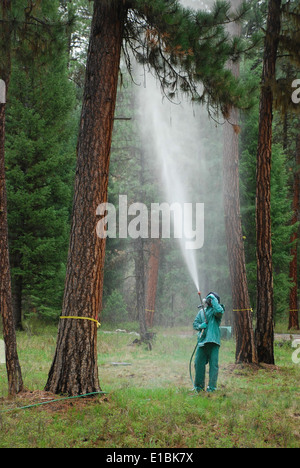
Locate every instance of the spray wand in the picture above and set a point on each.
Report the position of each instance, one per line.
(200, 297)
(201, 306)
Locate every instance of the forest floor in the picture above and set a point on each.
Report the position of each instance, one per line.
(150, 402)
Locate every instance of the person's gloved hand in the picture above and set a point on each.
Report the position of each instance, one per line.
(203, 326)
(211, 296)
(211, 299)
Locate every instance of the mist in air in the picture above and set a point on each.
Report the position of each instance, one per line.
(187, 148)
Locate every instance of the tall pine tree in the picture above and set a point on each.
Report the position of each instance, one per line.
(245, 346)
(264, 333)
(288, 74)
(40, 167)
(25, 28)
(14, 374)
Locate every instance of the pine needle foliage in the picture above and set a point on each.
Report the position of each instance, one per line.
(188, 50)
(39, 161)
(288, 58)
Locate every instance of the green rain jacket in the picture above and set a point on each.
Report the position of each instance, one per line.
(214, 314)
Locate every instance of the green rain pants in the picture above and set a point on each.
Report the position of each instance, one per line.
(209, 353)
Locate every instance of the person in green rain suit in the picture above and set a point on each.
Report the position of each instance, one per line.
(207, 323)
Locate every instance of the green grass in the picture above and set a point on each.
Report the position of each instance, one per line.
(150, 402)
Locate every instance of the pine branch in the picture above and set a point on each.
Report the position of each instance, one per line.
(185, 47)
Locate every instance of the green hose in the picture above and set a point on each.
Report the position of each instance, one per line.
(190, 366)
(52, 401)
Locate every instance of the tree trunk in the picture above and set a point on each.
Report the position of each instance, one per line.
(242, 313)
(14, 375)
(140, 286)
(265, 326)
(294, 312)
(245, 346)
(152, 281)
(74, 370)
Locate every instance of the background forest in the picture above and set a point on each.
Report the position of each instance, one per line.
(43, 111)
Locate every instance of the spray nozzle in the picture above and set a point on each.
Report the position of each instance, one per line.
(201, 305)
